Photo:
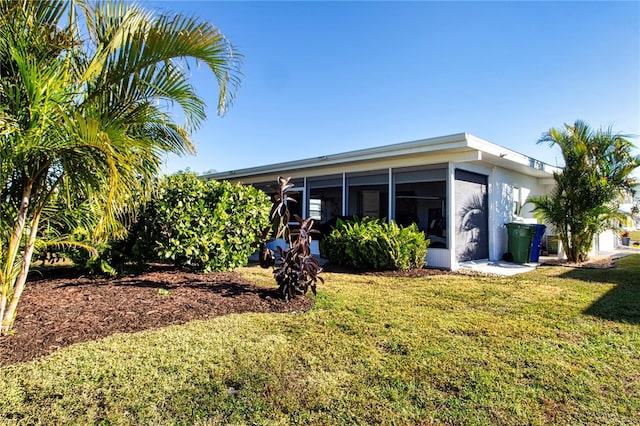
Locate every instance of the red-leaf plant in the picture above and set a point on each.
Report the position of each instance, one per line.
(297, 270)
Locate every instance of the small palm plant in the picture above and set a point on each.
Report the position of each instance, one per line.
(297, 270)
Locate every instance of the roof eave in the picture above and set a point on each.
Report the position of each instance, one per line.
(455, 141)
(492, 153)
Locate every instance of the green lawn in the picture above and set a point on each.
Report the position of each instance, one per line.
(555, 346)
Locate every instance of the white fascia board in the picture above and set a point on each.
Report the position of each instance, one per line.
(507, 156)
(456, 143)
(451, 142)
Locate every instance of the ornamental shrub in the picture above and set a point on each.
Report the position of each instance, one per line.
(297, 270)
(205, 225)
(371, 244)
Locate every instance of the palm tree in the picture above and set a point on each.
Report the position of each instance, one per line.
(85, 96)
(596, 176)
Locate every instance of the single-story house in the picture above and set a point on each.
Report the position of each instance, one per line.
(459, 189)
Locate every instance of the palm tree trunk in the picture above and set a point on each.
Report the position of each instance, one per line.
(14, 243)
(3, 305)
(12, 251)
(10, 314)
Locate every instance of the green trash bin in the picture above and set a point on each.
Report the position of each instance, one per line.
(520, 239)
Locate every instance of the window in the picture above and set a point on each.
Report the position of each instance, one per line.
(315, 209)
(517, 201)
(325, 198)
(421, 198)
(368, 194)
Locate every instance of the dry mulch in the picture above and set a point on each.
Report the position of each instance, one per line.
(597, 262)
(64, 308)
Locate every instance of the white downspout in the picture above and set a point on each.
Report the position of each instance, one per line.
(391, 203)
(344, 194)
(450, 215)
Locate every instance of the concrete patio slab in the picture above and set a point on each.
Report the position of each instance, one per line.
(498, 267)
(507, 268)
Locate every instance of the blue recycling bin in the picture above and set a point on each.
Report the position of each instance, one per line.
(536, 244)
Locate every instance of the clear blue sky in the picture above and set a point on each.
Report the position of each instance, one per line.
(327, 77)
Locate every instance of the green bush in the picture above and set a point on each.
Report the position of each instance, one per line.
(369, 243)
(206, 225)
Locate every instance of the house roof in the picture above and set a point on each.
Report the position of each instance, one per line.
(456, 147)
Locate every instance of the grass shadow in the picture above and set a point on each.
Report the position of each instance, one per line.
(622, 302)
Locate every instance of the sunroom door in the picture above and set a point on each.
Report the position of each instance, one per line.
(471, 216)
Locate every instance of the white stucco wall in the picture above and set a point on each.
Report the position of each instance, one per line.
(604, 242)
(501, 183)
(502, 202)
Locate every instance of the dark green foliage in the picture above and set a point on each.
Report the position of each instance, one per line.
(297, 270)
(87, 92)
(69, 233)
(93, 257)
(372, 244)
(206, 225)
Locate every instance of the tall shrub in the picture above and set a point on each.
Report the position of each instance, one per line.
(206, 225)
(369, 243)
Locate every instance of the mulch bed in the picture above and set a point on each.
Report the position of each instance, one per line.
(64, 308)
(597, 262)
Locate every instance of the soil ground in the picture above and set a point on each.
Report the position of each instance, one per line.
(595, 262)
(62, 307)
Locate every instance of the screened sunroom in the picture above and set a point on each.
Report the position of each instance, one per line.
(457, 189)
